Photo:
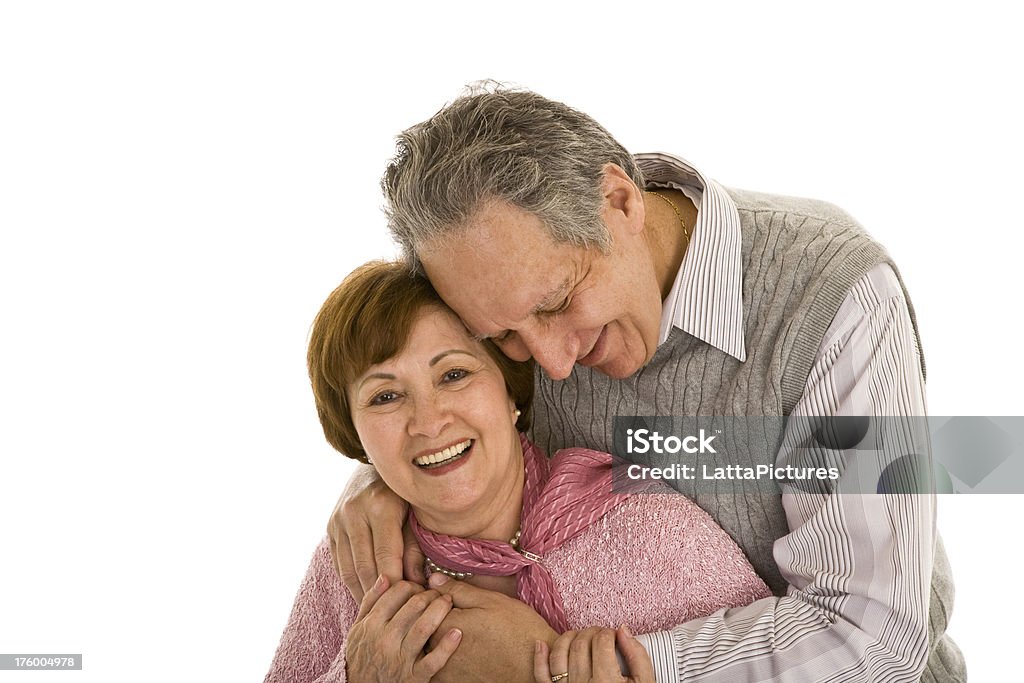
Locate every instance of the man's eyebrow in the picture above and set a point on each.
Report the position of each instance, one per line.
(554, 297)
(492, 336)
(550, 301)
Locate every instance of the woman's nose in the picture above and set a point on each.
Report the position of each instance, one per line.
(429, 417)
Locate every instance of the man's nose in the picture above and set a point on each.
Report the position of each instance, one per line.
(429, 416)
(554, 352)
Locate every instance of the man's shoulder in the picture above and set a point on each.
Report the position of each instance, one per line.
(750, 202)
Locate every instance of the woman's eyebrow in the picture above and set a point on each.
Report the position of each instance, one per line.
(437, 359)
(374, 375)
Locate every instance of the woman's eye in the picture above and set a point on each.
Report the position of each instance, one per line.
(455, 375)
(383, 398)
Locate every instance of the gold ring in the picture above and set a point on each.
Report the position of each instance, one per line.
(555, 679)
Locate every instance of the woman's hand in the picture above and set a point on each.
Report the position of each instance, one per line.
(386, 642)
(589, 656)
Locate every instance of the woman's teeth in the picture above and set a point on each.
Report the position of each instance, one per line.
(444, 456)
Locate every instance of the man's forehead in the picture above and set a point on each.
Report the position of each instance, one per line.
(494, 295)
(499, 267)
(493, 304)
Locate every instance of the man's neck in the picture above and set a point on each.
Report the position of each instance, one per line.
(667, 239)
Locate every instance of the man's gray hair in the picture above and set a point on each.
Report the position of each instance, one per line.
(499, 144)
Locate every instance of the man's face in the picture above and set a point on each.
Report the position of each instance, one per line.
(510, 281)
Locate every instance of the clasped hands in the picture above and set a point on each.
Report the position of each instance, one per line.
(451, 631)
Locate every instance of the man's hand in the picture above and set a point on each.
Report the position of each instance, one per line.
(588, 656)
(499, 635)
(366, 535)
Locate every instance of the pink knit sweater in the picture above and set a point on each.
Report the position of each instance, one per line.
(653, 562)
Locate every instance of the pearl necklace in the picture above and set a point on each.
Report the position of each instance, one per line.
(434, 567)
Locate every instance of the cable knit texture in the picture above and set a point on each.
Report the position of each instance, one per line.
(651, 561)
(799, 259)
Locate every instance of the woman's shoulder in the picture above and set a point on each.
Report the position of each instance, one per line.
(312, 645)
(659, 507)
(654, 561)
(576, 454)
(323, 588)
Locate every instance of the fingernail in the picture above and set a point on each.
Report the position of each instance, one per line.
(456, 634)
(537, 647)
(437, 579)
(627, 631)
(381, 580)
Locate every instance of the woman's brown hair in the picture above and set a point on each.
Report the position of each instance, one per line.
(366, 321)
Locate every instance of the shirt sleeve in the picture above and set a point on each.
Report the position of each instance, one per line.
(858, 564)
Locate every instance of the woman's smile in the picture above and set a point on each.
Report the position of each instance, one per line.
(446, 460)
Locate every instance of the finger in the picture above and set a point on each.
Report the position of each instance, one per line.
(464, 595)
(434, 661)
(581, 665)
(371, 597)
(641, 668)
(359, 567)
(413, 557)
(341, 551)
(454, 619)
(558, 659)
(387, 547)
(408, 613)
(425, 624)
(605, 661)
(541, 670)
(393, 599)
(365, 500)
(364, 563)
(334, 546)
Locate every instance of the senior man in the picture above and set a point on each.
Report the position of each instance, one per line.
(642, 287)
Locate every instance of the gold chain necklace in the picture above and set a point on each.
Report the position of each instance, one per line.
(682, 223)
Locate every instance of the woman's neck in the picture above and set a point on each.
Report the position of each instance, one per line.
(494, 519)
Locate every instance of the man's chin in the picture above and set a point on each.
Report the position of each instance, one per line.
(619, 368)
(623, 366)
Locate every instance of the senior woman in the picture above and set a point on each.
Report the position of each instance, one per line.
(399, 383)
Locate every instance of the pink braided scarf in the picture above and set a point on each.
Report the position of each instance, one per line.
(557, 505)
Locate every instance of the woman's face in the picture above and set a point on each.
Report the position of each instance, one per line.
(438, 423)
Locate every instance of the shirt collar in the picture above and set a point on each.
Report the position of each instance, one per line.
(706, 299)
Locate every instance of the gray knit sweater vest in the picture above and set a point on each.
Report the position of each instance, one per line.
(800, 259)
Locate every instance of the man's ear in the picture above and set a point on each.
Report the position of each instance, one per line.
(623, 200)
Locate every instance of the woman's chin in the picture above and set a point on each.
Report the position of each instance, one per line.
(448, 515)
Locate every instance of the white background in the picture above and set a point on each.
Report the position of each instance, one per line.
(181, 185)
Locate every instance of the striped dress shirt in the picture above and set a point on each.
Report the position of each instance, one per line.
(856, 564)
